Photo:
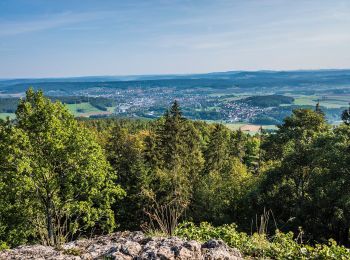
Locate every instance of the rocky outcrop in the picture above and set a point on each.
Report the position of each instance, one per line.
(128, 246)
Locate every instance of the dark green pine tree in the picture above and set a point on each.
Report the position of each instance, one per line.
(217, 153)
(238, 144)
(345, 116)
(170, 141)
(178, 162)
(126, 156)
(318, 108)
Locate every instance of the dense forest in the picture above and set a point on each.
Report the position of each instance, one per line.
(268, 100)
(63, 178)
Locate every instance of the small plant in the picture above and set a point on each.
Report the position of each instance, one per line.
(73, 251)
(3, 246)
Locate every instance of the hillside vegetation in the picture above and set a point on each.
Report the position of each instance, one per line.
(63, 178)
(268, 100)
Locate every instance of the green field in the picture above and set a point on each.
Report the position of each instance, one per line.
(305, 101)
(238, 125)
(78, 109)
(110, 109)
(85, 110)
(325, 101)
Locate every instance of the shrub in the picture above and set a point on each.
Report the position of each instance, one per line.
(3, 246)
(279, 246)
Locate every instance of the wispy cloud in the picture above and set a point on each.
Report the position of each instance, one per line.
(8, 28)
(309, 26)
(171, 35)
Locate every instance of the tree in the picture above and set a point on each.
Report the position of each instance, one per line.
(329, 187)
(302, 126)
(67, 182)
(170, 137)
(178, 163)
(345, 116)
(217, 154)
(125, 152)
(16, 211)
(178, 144)
(224, 179)
(286, 186)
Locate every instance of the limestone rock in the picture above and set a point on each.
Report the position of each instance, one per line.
(127, 246)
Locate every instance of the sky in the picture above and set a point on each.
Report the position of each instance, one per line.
(63, 38)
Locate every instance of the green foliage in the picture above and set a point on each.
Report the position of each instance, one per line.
(73, 251)
(61, 178)
(223, 181)
(56, 182)
(268, 100)
(308, 184)
(224, 176)
(345, 116)
(3, 245)
(177, 164)
(125, 154)
(279, 246)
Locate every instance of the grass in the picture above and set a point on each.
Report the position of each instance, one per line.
(85, 109)
(110, 109)
(335, 101)
(305, 101)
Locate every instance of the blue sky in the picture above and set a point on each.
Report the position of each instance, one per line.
(51, 38)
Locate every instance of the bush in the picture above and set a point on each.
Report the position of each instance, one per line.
(279, 246)
(3, 246)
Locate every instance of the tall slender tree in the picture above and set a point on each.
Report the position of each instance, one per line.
(345, 116)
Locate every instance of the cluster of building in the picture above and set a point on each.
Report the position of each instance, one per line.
(239, 111)
(152, 102)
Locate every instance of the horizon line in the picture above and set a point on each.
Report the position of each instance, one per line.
(169, 74)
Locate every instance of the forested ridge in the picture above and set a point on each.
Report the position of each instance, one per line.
(63, 178)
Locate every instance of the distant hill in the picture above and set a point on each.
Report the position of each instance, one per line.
(229, 79)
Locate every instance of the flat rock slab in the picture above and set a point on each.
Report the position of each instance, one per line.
(128, 246)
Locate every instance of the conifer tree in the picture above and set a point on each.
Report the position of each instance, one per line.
(345, 116)
(179, 162)
(217, 153)
(126, 154)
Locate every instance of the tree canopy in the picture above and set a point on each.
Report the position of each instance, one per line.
(61, 178)
(64, 184)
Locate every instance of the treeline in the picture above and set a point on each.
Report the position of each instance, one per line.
(61, 178)
(8, 105)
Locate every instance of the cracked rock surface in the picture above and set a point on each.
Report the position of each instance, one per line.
(128, 246)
